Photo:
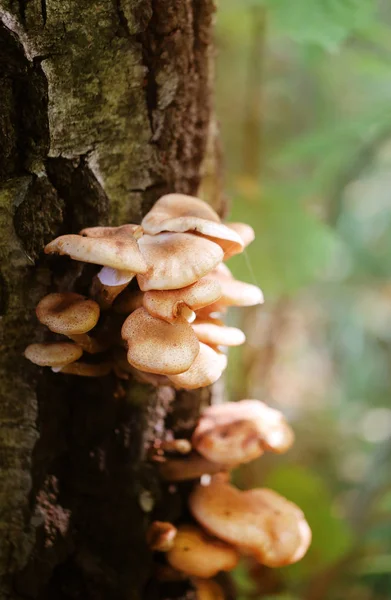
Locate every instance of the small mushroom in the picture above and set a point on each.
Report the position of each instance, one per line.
(193, 466)
(245, 231)
(170, 304)
(207, 589)
(197, 554)
(181, 213)
(161, 536)
(85, 369)
(234, 292)
(259, 521)
(238, 432)
(53, 354)
(176, 260)
(72, 315)
(205, 370)
(215, 333)
(155, 346)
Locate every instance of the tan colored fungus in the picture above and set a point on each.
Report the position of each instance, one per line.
(215, 333)
(176, 260)
(207, 589)
(258, 521)
(205, 370)
(245, 231)
(170, 304)
(161, 536)
(234, 292)
(155, 346)
(237, 432)
(192, 466)
(125, 231)
(197, 554)
(53, 354)
(116, 251)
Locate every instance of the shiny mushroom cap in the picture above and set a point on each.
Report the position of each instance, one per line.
(197, 554)
(176, 260)
(155, 346)
(125, 231)
(259, 521)
(115, 251)
(181, 213)
(68, 313)
(205, 370)
(241, 431)
(53, 354)
(215, 333)
(169, 304)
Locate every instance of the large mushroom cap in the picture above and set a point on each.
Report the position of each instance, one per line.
(237, 432)
(181, 213)
(176, 260)
(53, 354)
(199, 555)
(159, 347)
(68, 313)
(167, 304)
(205, 370)
(115, 251)
(259, 521)
(216, 333)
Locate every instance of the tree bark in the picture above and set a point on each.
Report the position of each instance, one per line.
(105, 106)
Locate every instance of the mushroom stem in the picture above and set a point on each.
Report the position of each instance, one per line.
(108, 284)
(85, 369)
(186, 312)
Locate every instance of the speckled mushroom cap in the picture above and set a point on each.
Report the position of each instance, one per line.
(215, 333)
(167, 304)
(68, 313)
(205, 370)
(197, 554)
(115, 251)
(245, 231)
(237, 432)
(176, 260)
(234, 292)
(181, 213)
(258, 521)
(155, 346)
(126, 231)
(53, 354)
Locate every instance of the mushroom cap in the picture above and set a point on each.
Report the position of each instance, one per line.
(240, 431)
(245, 231)
(234, 292)
(207, 589)
(166, 304)
(216, 334)
(155, 346)
(193, 466)
(126, 231)
(205, 370)
(198, 554)
(161, 536)
(259, 521)
(176, 260)
(181, 213)
(53, 354)
(115, 251)
(68, 313)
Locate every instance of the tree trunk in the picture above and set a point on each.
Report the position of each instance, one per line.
(105, 106)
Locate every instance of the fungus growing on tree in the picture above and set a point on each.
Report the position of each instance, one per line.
(53, 354)
(205, 370)
(161, 536)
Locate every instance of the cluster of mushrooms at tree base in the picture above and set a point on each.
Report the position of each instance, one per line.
(168, 331)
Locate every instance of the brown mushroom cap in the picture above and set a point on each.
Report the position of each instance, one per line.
(53, 354)
(199, 555)
(167, 304)
(155, 346)
(116, 251)
(217, 334)
(259, 521)
(176, 260)
(245, 231)
(192, 466)
(181, 213)
(234, 292)
(205, 370)
(68, 313)
(207, 589)
(237, 432)
(161, 536)
(125, 231)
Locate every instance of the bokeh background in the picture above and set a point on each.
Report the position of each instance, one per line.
(304, 105)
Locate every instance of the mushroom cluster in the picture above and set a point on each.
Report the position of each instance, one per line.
(170, 322)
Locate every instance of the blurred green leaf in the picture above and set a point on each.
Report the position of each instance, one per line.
(371, 565)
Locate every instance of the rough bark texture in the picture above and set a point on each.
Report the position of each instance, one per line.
(104, 106)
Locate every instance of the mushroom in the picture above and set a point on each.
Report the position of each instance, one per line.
(155, 346)
(85, 369)
(72, 315)
(181, 213)
(259, 521)
(207, 589)
(193, 466)
(161, 536)
(238, 432)
(123, 369)
(125, 231)
(108, 284)
(234, 292)
(53, 354)
(170, 304)
(215, 333)
(176, 260)
(205, 370)
(245, 231)
(197, 554)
